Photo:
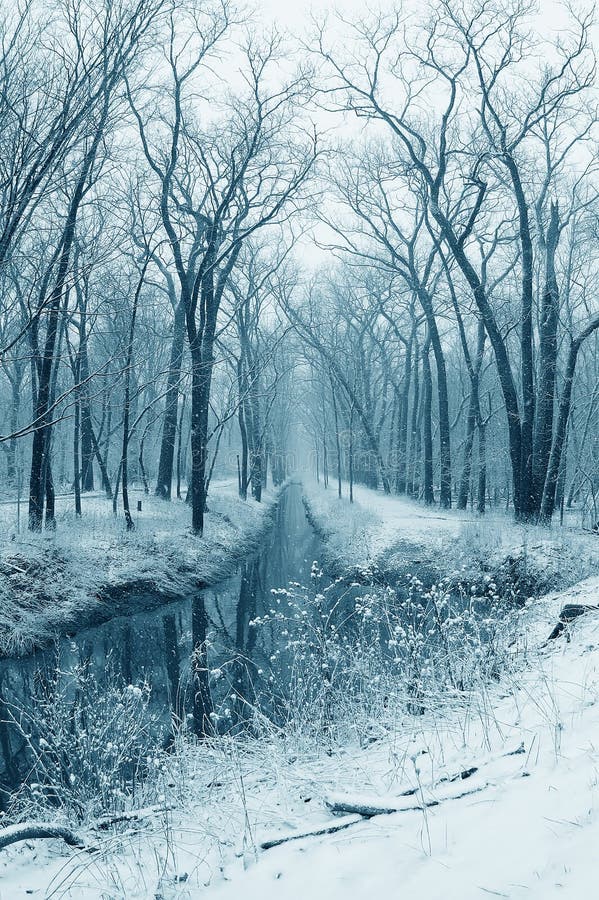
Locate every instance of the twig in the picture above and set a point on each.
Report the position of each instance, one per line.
(134, 815)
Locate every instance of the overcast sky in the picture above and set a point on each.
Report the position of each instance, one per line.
(295, 14)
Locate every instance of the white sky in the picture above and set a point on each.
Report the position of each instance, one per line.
(295, 14)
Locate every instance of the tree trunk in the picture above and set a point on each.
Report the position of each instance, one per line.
(337, 441)
(164, 478)
(41, 436)
(553, 469)
(414, 451)
(127, 401)
(443, 399)
(547, 363)
(464, 489)
(402, 438)
(504, 371)
(526, 500)
(351, 454)
(202, 699)
(474, 414)
(76, 462)
(179, 443)
(482, 468)
(241, 418)
(200, 396)
(87, 448)
(429, 495)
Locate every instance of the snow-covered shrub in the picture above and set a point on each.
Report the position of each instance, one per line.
(359, 658)
(88, 745)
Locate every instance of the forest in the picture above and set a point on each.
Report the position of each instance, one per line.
(299, 417)
(154, 298)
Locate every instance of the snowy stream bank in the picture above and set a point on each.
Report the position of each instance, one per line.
(92, 569)
(473, 790)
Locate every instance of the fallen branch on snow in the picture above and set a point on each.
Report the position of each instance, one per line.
(30, 831)
(329, 828)
(368, 809)
(359, 811)
(135, 815)
(570, 612)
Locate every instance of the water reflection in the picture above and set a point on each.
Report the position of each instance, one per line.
(198, 655)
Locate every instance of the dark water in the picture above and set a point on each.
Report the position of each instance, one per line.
(200, 656)
(223, 660)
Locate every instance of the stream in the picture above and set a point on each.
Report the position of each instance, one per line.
(192, 653)
(218, 661)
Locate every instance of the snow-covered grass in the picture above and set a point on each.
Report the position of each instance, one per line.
(397, 534)
(91, 568)
(525, 824)
(495, 739)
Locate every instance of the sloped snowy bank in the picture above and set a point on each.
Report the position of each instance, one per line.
(92, 568)
(395, 535)
(466, 769)
(524, 824)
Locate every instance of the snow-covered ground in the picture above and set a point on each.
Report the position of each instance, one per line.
(50, 581)
(524, 825)
(495, 786)
(390, 531)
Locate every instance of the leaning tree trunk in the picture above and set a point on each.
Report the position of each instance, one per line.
(553, 470)
(41, 436)
(504, 370)
(526, 499)
(102, 464)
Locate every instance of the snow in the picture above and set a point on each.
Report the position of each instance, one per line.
(526, 824)
(393, 532)
(51, 580)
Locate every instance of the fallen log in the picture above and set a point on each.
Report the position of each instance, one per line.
(569, 613)
(359, 811)
(370, 808)
(328, 828)
(31, 831)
